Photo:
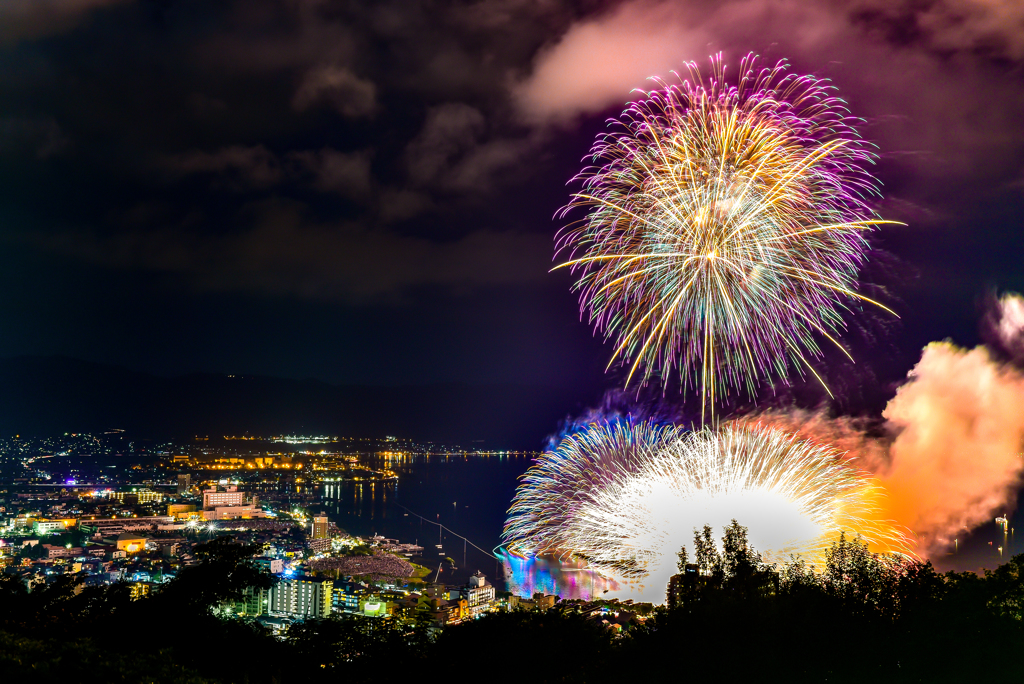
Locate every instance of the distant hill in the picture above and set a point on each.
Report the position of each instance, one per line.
(47, 395)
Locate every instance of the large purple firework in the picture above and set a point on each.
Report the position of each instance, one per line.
(724, 228)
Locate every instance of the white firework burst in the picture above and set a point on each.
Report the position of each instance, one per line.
(627, 498)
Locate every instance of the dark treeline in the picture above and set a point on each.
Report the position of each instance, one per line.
(861, 618)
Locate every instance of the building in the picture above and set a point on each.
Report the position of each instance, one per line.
(319, 545)
(131, 543)
(346, 599)
(254, 603)
(274, 566)
(140, 590)
(63, 551)
(243, 512)
(277, 625)
(376, 606)
(321, 527)
(539, 601)
(230, 504)
(441, 611)
(683, 587)
(229, 497)
(181, 511)
(138, 496)
(48, 526)
(305, 597)
(184, 481)
(112, 526)
(479, 595)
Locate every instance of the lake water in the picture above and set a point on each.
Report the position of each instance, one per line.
(469, 496)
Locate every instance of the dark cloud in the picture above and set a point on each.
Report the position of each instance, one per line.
(257, 168)
(240, 167)
(452, 152)
(28, 19)
(363, 154)
(344, 173)
(988, 27)
(400, 205)
(43, 137)
(449, 132)
(339, 88)
(283, 253)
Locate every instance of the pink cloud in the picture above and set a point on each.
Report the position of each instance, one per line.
(932, 88)
(599, 60)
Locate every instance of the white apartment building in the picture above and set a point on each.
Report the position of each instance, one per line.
(305, 597)
(48, 526)
(479, 595)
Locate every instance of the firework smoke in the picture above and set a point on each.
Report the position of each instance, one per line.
(725, 228)
(628, 497)
(1003, 326)
(956, 460)
(951, 458)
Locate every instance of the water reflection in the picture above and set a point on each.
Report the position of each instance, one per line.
(566, 579)
(569, 579)
(468, 495)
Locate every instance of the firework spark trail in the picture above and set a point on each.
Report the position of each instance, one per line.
(628, 497)
(581, 466)
(725, 228)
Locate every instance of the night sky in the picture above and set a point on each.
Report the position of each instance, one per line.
(364, 192)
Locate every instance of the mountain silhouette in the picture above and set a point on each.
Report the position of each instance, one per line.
(46, 395)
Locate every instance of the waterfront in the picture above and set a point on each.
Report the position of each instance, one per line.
(465, 493)
(419, 497)
(440, 498)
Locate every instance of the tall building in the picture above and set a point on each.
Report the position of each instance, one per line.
(321, 526)
(184, 482)
(229, 497)
(479, 595)
(306, 597)
(683, 587)
(254, 602)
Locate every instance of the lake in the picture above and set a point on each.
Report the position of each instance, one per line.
(459, 502)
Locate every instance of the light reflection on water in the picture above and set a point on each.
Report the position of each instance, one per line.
(469, 495)
(569, 579)
(566, 579)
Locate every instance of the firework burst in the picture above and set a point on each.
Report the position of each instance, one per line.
(724, 228)
(581, 468)
(627, 497)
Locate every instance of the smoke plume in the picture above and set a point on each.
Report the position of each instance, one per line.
(949, 453)
(1003, 326)
(956, 460)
